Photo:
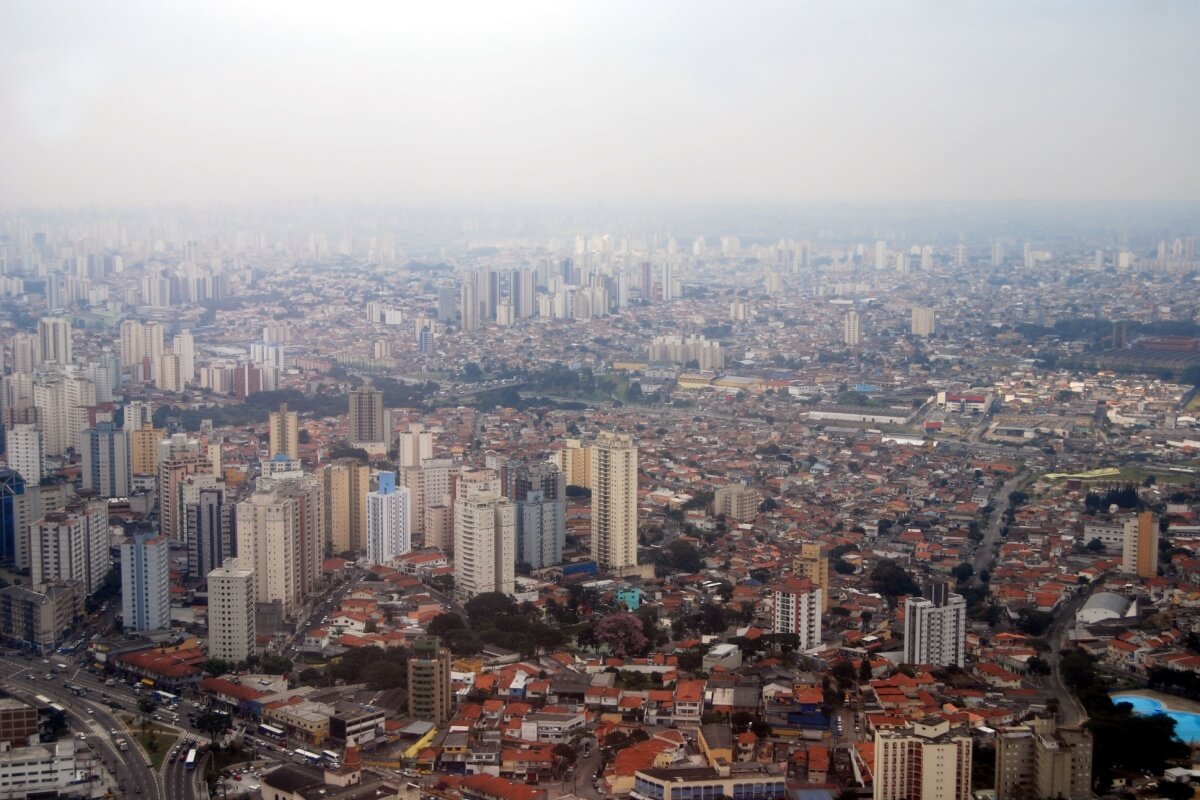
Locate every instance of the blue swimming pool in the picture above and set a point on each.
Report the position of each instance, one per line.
(1187, 725)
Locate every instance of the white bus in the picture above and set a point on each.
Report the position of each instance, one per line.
(305, 757)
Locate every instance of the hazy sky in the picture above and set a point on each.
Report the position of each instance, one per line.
(646, 102)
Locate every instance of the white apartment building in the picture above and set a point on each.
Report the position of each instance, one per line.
(231, 629)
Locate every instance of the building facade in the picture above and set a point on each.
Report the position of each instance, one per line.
(935, 627)
(231, 628)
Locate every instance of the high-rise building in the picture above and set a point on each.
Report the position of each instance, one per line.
(935, 627)
(209, 530)
(345, 483)
(797, 608)
(813, 563)
(40, 619)
(469, 302)
(54, 341)
(445, 304)
(137, 414)
(33, 503)
(575, 461)
(27, 451)
(881, 255)
(71, 545)
(851, 329)
(922, 321)
(24, 352)
(997, 254)
(389, 526)
(485, 539)
(614, 467)
(367, 425)
(540, 530)
(1037, 759)
(429, 695)
(1139, 548)
(58, 396)
(304, 491)
(12, 487)
(146, 583)
(143, 449)
(106, 463)
(540, 492)
(927, 761)
(184, 348)
(416, 445)
(266, 543)
(738, 502)
(284, 433)
(231, 605)
(960, 255)
(173, 471)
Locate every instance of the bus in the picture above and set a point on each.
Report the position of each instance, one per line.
(166, 698)
(331, 758)
(190, 763)
(57, 708)
(303, 756)
(42, 699)
(273, 734)
(78, 691)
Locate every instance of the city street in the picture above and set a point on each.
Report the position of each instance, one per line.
(91, 716)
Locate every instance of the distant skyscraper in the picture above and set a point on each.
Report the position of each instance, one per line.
(469, 300)
(960, 255)
(12, 486)
(997, 254)
(416, 445)
(146, 583)
(1139, 550)
(429, 696)
(106, 462)
(27, 451)
(389, 521)
(881, 255)
(797, 607)
(209, 530)
(922, 321)
(231, 625)
(54, 341)
(346, 483)
(71, 545)
(185, 348)
(539, 490)
(445, 304)
(24, 352)
(935, 627)
(851, 329)
(668, 280)
(284, 433)
(614, 465)
(484, 544)
(367, 417)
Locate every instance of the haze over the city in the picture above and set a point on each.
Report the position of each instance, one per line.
(672, 103)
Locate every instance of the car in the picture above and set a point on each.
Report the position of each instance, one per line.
(113, 732)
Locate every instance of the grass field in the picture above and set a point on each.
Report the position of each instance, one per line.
(158, 743)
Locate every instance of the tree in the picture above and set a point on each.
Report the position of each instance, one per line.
(1034, 622)
(1095, 546)
(216, 667)
(890, 580)
(275, 665)
(213, 723)
(843, 567)
(489, 605)
(1038, 666)
(963, 572)
(623, 633)
(472, 373)
(683, 556)
(864, 670)
(844, 672)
